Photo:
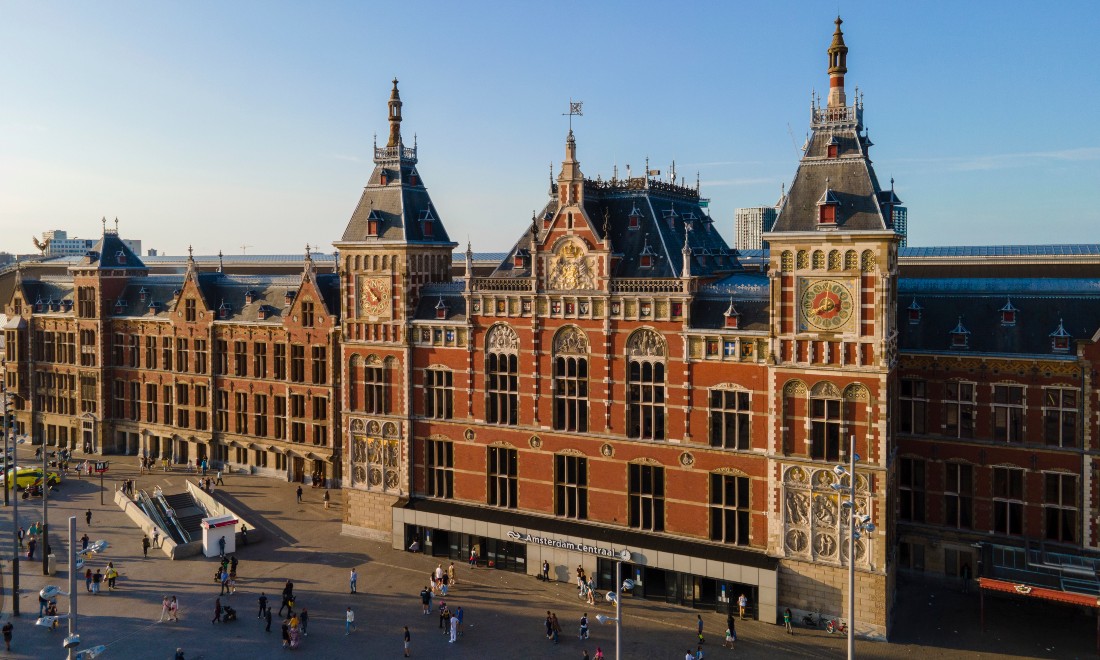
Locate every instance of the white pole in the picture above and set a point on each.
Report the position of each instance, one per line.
(618, 610)
(72, 583)
(852, 550)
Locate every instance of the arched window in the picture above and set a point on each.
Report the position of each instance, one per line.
(645, 394)
(375, 387)
(502, 375)
(571, 380)
(729, 418)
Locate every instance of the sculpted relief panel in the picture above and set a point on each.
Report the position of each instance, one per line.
(571, 269)
(814, 524)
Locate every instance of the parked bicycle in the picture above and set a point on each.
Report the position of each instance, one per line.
(809, 621)
(836, 626)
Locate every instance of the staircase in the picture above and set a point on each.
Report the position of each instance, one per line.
(188, 513)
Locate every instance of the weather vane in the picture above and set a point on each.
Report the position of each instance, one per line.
(574, 110)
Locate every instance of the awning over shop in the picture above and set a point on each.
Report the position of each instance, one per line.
(1042, 593)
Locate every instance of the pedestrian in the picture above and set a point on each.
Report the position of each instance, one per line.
(112, 575)
(787, 621)
(425, 601)
(267, 619)
(444, 616)
(156, 537)
(584, 626)
(286, 633)
(290, 606)
(459, 615)
(549, 626)
(221, 545)
(407, 640)
(299, 491)
(97, 578)
(263, 605)
(164, 609)
(174, 609)
(84, 542)
(443, 582)
(233, 561)
(327, 498)
(205, 465)
(599, 654)
(88, 517)
(689, 655)
(555, 626)
(31, 544)
(224, 579)
(439, 573)
(545, 571)
(699, 653)
(219, 481)
(733, 632)
(88, 580)
(350, 618)
(965, 575)
(473, 558)
(303, 621)
(179, 653)
(145, 546)
(729, 639)
(454, 628)
(22, 534)
(700, 626)
(217, 611)
(742, 603)
(353, 580)
(8, 628)
(451, 575)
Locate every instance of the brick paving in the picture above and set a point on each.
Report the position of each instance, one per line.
(503, 611)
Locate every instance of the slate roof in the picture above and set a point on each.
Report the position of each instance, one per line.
(111, 253)
(451, 295)
(1040, 304)
(750, 294)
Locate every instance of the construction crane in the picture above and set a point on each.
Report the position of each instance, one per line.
(244, 249)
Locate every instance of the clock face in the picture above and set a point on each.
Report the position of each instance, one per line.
(376, 296)
(826, 305)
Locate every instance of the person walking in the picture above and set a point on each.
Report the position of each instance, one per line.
(145, 546)
(263, 605)
(84, 540)
(699, 626)
(454, 628)
(742, 603)
(451, 575)
(112, 575)
(8, 628)
(223, 577)
(299, 492)
(458, 613)
(88, 580)
(267, 619)
(327, 498)
(732, 633)
(174, 609)
(219, 481)
(217, 611)
(97, 578)
(787, 621)
(350, 617)
(31, 545)
(584, 626)
(425, 601)
(473, 558)
(303, 622)
(729, 639)
(156, 537)
(164, 609)
(408, 638)
(555, 627)
(22, 535)
(353, 580)
(88, 517)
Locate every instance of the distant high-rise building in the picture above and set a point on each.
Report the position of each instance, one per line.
(56, 243)
(750, 225)
(901, 224)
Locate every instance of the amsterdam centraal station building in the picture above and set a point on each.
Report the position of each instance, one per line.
(620, 380)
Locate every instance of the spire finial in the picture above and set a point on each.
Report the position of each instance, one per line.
(838, 66)
(190, 253)
(395, 117)
(221, 263)
(103, 220)
(116, 224)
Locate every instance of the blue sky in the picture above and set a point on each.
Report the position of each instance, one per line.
(249, 123)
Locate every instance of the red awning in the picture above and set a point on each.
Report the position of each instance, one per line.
(1039, 592)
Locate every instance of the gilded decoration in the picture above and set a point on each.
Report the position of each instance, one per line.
(851, 260)
(786, 262)
(814, 528)
(607, 450)
(794, 388)
(819, 259)
(687, 459)
(571, 269)
(502, 338)
(868, 262)
(571, 340)
(803, 260)
(375, 457)
(834, 260)
(535, 442)
(645, 343)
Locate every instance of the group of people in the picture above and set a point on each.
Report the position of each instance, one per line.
(169, 609)
(442, 580)
(586, 586)
(30, 538)
(450, 621)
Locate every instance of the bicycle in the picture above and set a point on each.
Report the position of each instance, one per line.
(836, 626)
(809, 621)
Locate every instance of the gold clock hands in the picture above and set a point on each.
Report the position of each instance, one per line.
(827, 306)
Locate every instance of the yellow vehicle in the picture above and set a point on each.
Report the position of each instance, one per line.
(29, 476)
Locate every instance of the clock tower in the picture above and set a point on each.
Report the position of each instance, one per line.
(394, 244)
(833, 279)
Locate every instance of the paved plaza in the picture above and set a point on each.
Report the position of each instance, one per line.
(504, 612)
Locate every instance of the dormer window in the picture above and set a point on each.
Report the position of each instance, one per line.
(670, 216)
(827, 208)
(262, 312)
(517, 260)
(960, 336)
(831, 147)
(441, 309)
(646, 260)
(143, 295)
(38, 304)
(120, 257)
(66, 305)
(288, 298)
(249, 297)
(374, 223)
(1059, 339)
(914, 311)
(635, 219)
(224, 309)
(1008, 314)
(733, 317)
(429, 228)
(120, 304)
(153, 307)
(384, 178)
(414, 179)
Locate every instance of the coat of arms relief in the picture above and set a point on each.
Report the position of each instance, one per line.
(572, 269)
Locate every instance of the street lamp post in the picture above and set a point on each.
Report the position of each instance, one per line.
(858, 525)
(45, 514)
(617, 594)
(12, 482)
(74, 638)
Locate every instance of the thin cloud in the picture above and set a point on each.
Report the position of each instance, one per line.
(1005, 161)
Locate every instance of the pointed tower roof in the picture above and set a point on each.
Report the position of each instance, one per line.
(395, 206)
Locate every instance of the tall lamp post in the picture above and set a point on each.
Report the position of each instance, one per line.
(11, 482)
(617, 595)
(45, 514)
(858, 525)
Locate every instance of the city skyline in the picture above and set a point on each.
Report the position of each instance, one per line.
(225, 127)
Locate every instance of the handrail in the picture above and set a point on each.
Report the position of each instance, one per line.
(172, 517)
(150, 509)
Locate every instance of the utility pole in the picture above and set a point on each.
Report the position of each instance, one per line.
(45, 514)
(12, 483)
(72, 589)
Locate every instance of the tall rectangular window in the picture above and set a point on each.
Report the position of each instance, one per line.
(959, 409)
(135, 400)
(280, 417)
(729, 419)
(1060, 416)
(1008, 500)
(166, 353)
(439, 468)
(189, 310)
(374, 391)
(118, 350)
(914, 405)
(1060, 507)
(151, 403)
(958, 495)
(280, 362)
(825, 429)
(181, 355)
(240, 358)
(439, 393)
(134, 352)
(320, 365)
(729, 509)
(501, 388)
(1008, 413)
(221, 357)
(88, 348)
(88, 396)
(297, 363)
(120, 399)
(85, 301)
(571, 393)
(259, 359)
(503, 477)
(200, 407)
(260, 411)
(645, 400)
(320, 420)
(169, 409)
(646, 497)
(200, 356)
(297, 415)
(307, 314)
(911, 489)
(150, 352)
(221, 411)
(241, 425)
(571, 486)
